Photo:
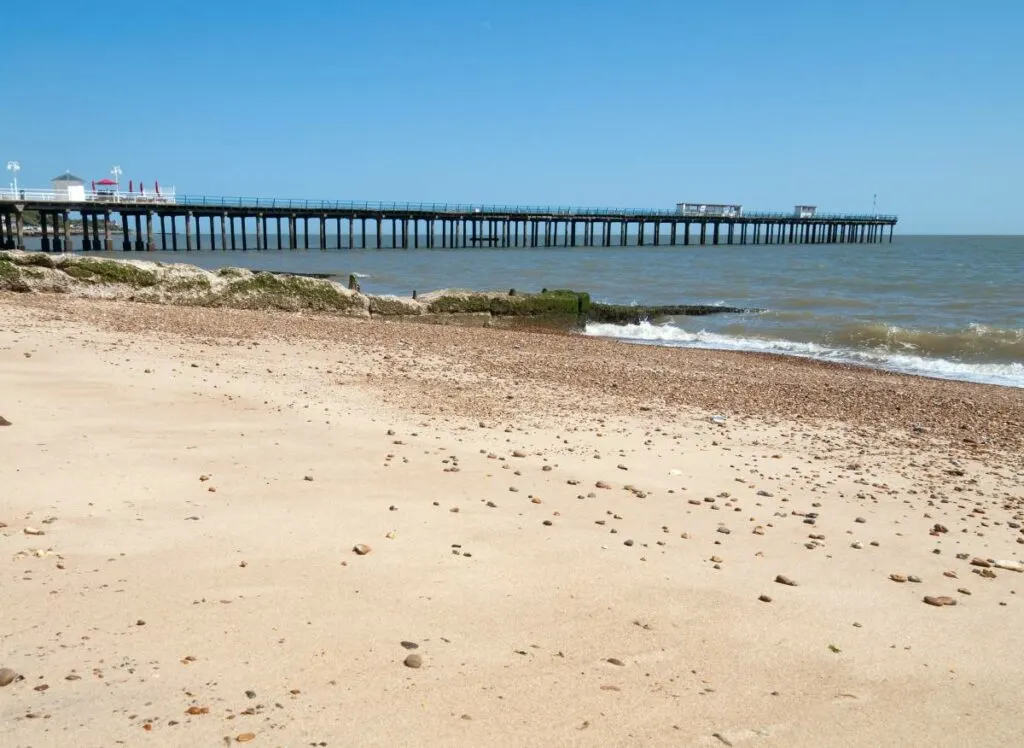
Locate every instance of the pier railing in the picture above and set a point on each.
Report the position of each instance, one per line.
(114, 198)
(166, 197)
(468, 208)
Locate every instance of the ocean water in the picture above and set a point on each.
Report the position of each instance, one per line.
(939, 306)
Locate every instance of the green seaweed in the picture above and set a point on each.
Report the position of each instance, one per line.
(468, 304)
(392, 307)
(109, 271)
(266, 290)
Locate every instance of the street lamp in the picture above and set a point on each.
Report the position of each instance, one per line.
(14, 167)
(116, 172)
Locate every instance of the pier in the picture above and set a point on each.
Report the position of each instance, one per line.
(169, 222)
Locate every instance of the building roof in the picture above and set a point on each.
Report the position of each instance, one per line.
(68, 177)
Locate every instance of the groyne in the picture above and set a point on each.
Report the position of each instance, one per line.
(187, 285)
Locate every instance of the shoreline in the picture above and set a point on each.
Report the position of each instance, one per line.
(578, 551)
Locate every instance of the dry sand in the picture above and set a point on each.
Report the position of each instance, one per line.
(181, 491)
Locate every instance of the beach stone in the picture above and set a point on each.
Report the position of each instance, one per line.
(7, 676)
(898, 578)
(518, 453)
(245, 737)
(980, 562)
(781, 579)
(627, 542)
(409, 645)
(361, 549)
(914, 579)
(764, 598)
(602, 484)
(939, 600)
(860, 520)
(414, 661)
(615, 661)
(4, 421)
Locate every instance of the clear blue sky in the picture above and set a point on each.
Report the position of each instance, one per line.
(632, 104)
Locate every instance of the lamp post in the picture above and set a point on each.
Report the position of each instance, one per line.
(14, 167)
(115, 172)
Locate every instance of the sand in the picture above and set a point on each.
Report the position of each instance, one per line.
(182, 491)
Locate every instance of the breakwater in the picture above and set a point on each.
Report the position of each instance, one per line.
(187, 285)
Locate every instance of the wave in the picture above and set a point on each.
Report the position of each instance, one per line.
(1005, 374)
(972, 342)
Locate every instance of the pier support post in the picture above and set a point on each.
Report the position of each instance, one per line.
(231, 226)
(126, 244)
(140, 245)
(188, 232)
(149, 231)
(323, 231)
(163, 233)
(213, 233)
(174, 232)
(305, 232)
(261, 228)
(44, 241)
(96, 246)
(86, 242)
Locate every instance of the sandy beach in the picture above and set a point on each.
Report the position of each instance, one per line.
(584, 542)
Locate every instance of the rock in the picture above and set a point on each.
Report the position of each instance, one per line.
(8, 676)
(409, 645)
(914, 579)
(518, 453)
(308, 478)
(764, 599)
(964, 591)
(73, 676)
(980, 562)
(140, 622)
(627, 542)
(245, 737)
(33, 531)
(1009, 565)
(939, 600)
(780, 579)
(615, 661)
(250, 694)
(197, 710)
(860, 520)
(724, 530)
(716, 559)
(898, 578)
(4, 421)
(602, 484)
(361, 549)
(413, 661)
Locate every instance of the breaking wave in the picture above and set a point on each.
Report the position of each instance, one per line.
(887, 347)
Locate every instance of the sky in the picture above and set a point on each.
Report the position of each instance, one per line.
(637, 104)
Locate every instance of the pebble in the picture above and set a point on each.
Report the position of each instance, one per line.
(414, 661)
(627, 542)
(361, 549)
(245, 737)
(4, 421)
(615, 661)
(860, 520)
(898, 578)
(409, 645)
(764, 599)
(7, 677)
(602, 484)
(780, 579)
(518, 453)
(939, 600)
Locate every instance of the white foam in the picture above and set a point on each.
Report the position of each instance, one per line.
(1008, 375)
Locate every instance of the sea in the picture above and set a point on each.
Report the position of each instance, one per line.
(938, 306)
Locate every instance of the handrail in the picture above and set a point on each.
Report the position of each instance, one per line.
(434, 209)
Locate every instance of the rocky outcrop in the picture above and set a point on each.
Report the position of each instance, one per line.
(187, 285)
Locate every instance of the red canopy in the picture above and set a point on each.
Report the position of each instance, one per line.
(107, 182)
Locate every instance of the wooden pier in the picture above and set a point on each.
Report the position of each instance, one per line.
(183, 223)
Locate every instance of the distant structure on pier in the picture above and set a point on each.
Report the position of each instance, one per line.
(711, 210)
(69, 187)
(805, 211)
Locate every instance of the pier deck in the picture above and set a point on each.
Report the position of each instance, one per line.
(159, 222)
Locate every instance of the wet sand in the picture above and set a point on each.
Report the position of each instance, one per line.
(574, 533)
